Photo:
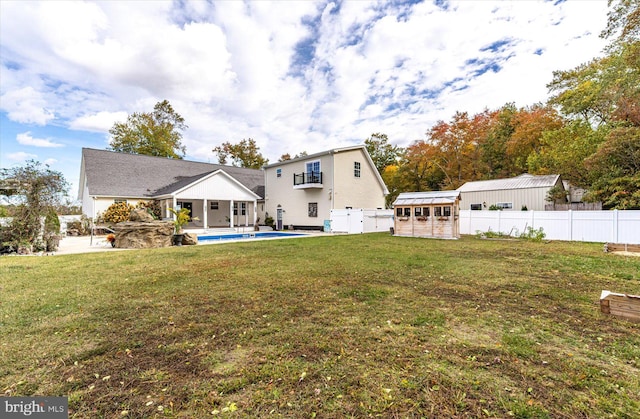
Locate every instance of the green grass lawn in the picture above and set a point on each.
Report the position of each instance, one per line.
(345, 326)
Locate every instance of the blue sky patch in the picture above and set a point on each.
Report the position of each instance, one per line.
(497, 46)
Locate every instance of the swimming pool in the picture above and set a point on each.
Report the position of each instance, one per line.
(245, 236)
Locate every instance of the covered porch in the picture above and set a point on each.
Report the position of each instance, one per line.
(214, 201)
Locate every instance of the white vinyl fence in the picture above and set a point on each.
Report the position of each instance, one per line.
(615, 226)
(357, 221)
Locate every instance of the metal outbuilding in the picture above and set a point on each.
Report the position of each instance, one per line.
(428, 214)
(518, 193)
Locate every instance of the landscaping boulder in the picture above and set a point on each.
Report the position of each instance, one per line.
(143, 235)
(189, 238)
(140, 214)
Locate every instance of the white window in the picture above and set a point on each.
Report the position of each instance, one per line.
(278, 172)
(356, 169)
(505, 205)
(475, 207)
(313, 171)
(446, 211)
(213, 205)
(243, 208)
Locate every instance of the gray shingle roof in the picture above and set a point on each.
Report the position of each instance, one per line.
(523, 181)
(133, 175)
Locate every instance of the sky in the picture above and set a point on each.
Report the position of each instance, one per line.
(293, 75)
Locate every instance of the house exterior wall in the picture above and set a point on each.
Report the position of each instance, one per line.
(280, 192)
(356, 192)
(533, 198)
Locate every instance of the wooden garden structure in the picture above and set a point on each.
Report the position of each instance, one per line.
(427, 214)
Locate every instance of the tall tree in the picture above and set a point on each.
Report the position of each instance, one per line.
(381, 151)
(563, 151)
(456, 145)
(35, 191)
(529, 124)
(287, 156)
(494, 146)
(156, 133)
(244, 154)
(421, 168)
(623, 23)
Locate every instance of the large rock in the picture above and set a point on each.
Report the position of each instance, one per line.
(189, 239)
(140, 214)
(143, 235)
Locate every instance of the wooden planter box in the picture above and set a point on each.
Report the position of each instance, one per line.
(620, 305)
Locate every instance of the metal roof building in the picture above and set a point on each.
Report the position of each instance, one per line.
(520, 192)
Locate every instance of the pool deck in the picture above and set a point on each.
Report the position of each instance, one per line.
(84, 244)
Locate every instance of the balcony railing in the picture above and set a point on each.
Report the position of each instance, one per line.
(308, 180)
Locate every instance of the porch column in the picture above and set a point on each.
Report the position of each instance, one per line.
(255, 212)
(174, 204)
(204, 213)
(231, 213)
(246, 214)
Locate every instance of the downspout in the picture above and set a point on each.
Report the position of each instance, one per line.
(333, 177)
(93, 218)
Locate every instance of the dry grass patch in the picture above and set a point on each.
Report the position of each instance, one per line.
(347, 326)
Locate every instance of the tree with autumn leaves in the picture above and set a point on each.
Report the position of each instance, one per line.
(588, 132)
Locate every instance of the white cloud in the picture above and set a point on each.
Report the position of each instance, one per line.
(99, 122)
(21, 156)
(227, 67)
(26, 105)
(25, 138)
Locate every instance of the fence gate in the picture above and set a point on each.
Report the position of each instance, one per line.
(348, 221)
(358, 221)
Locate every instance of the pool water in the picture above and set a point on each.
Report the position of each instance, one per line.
(243, 236)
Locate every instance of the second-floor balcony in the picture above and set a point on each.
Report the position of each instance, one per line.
(307, 180)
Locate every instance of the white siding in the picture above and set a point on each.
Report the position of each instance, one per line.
(350, 191)
(219, 186)
(295, 202)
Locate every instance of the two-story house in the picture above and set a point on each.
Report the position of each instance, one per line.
(303, 191)
(299, 192)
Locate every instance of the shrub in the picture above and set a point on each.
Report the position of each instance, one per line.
(152, 207)
(51, 236)
(533, 234)
(117, 213)
(82, 227)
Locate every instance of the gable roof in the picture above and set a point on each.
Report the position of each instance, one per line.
(431, 197)
(109, 173)
(523, 181)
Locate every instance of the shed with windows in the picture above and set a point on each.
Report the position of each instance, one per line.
(427, 214)
(524, 192)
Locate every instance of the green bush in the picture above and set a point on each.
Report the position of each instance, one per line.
(51, 235)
